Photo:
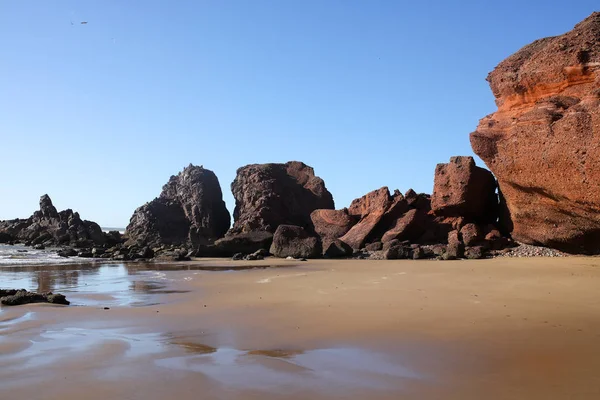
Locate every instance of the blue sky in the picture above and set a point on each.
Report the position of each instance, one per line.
(369, 93)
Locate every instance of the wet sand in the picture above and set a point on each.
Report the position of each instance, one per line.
(494, 329)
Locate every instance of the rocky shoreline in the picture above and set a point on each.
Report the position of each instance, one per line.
(279, 212)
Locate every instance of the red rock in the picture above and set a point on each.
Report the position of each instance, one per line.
(409, 227)
(269, 195)
(376, 201)
(471, 234)
(332, 224)
(543, 142)
(461, 189)
(371, 209)
(419, 201)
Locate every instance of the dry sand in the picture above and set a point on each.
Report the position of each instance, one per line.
(493, 329)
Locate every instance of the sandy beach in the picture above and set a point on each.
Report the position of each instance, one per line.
(499, 329)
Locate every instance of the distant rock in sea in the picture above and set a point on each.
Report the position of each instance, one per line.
(543, 142)
(48, 227)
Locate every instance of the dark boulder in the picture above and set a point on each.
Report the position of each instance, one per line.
(295, 241)
(456, 247)
(269, 195)
(67, 252)
(15, 297)
(336, 249)
(398, 252)
(49, 227)
(245, 243)
(474, 252)
(189, 211)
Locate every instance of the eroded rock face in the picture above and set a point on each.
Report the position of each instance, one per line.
(461, 189)
(189, 211)
(269, 195)
(543, 142)
(49, 227)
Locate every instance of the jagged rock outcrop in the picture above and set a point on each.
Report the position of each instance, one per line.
(543, 142)
(461, 189)
(48, 227)
(190, 211)
(269, 195)
(294, 241)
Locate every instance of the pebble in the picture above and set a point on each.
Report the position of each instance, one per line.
(527, 250)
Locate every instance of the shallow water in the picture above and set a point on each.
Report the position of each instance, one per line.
(327, 368)
(22, 255)
(109, 284)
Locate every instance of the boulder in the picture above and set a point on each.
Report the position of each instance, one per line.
(245, 243)
(418, 253)
(543, 142)
(269, 195)
(397, 252)
(336, 249)
(461, 189)
(471, 234)
(375, 246)
(189, 211)
(15, 297)
(408, 227)
(332, 224)
(370, 209)
(455, 248)
(474, 252)
(294, 241)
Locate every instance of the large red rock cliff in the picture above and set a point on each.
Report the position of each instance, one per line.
(543, 142)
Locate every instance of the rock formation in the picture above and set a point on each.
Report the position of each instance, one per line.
(48, 227)
(543, 142)
(330, 225)
(15, 297)
(462, 189)
(190, 211)
(269, 195)
(370, 209)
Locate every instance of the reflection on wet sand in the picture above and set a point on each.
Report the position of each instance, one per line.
(276, 353)
(126, 284)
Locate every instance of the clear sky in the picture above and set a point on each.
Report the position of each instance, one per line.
(369, 93)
